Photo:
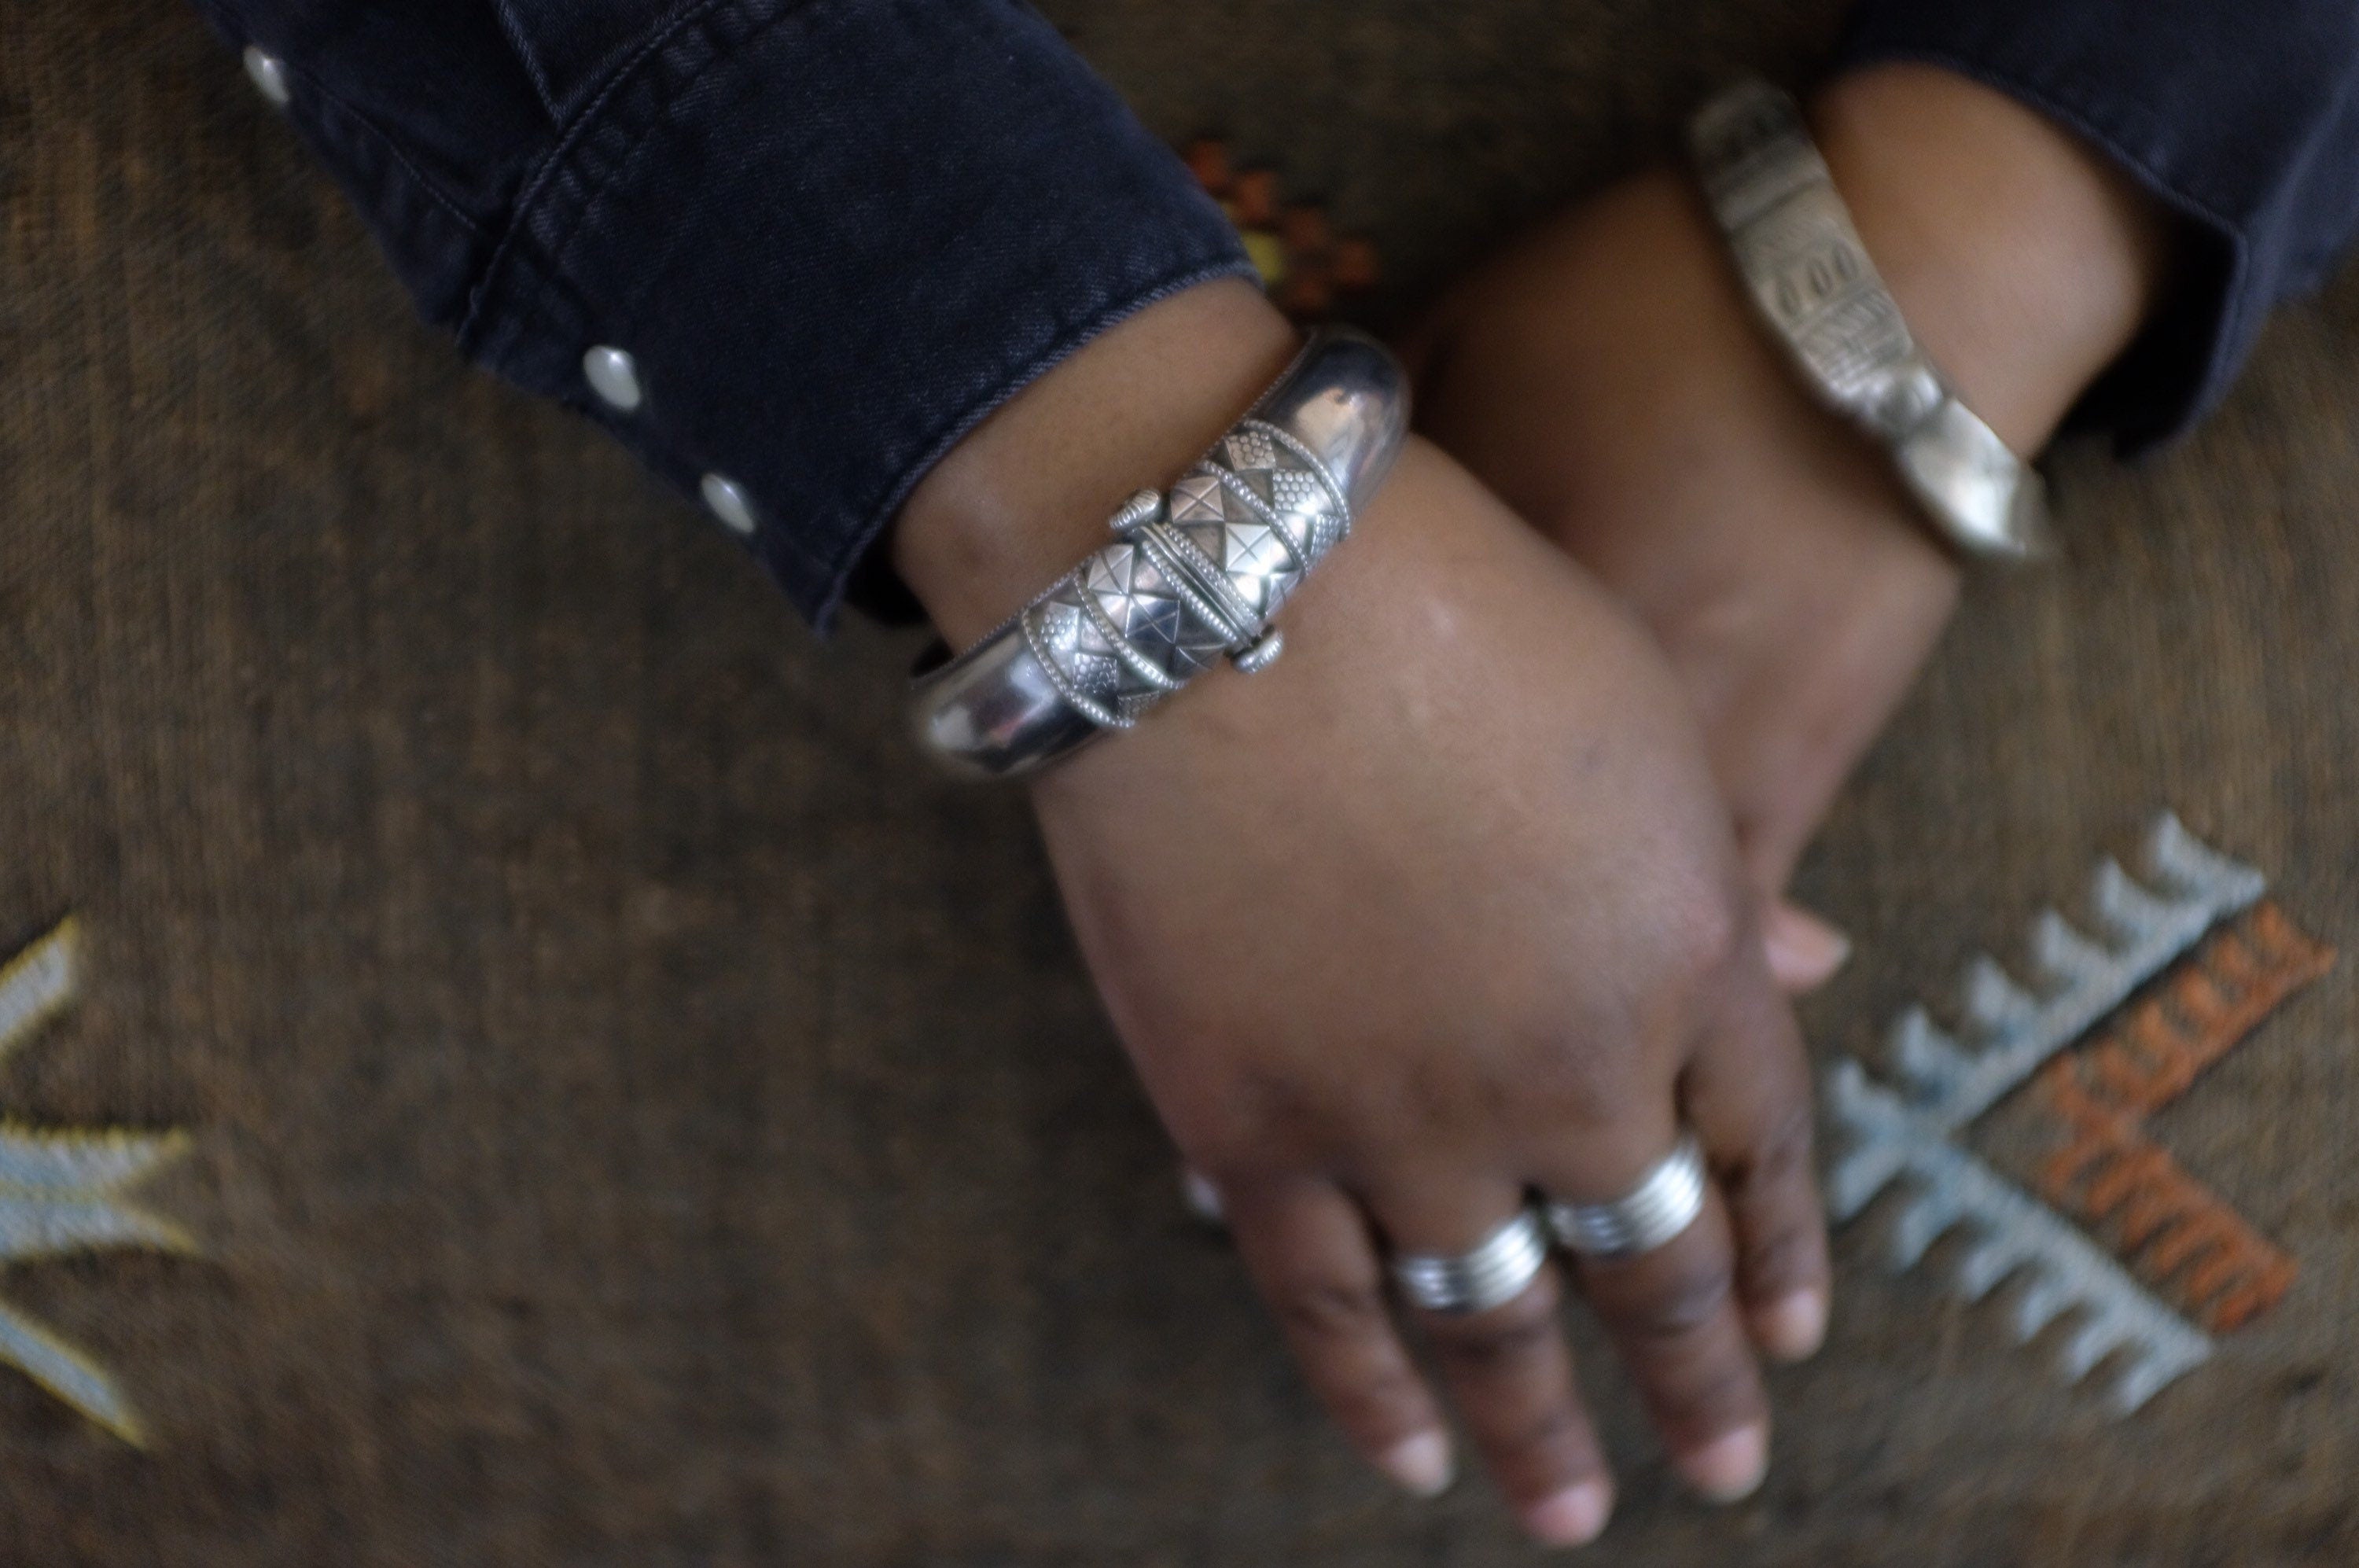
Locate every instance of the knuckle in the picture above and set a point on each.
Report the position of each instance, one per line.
(1379, 1402)
(1521, 1331)
(1328, 1311)
(1780, 1254)
(1244, 1119)
(1233, 1150)
(1780, 1155)
(1212, 1136)
(1575, 1084)
(1683, 1303)
(1555, 1429)
(1771, 1190)
(1782, 1245)
(1714, 1396)
(1228, 1164)
(1707, 930)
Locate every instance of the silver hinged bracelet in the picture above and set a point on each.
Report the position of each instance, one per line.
(1810, 278)
(1193, 574)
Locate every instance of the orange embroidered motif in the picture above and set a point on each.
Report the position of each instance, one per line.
(1304, 265)
(1899, 1128)
(2182, 1237)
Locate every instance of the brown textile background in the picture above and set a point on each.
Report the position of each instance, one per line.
(640, 1117)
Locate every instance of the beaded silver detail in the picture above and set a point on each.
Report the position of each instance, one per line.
(1192, 575)
(1197, 577)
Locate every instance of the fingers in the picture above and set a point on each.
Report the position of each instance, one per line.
(1508, 1370)
(1671, 1311)
(1308, 1249)
(1804, 951)
(1748, 1097)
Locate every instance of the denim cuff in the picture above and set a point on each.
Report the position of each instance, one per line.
(2242, 120)
(834, 235)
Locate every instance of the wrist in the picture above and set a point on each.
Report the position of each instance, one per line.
(1030, 490)
(2023, 260)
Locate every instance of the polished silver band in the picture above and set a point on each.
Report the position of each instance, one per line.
(1192, 574)
(1665, 1202)
(1811, 279)
(1498, 1270)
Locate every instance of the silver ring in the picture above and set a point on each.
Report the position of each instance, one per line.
(1664, 1203)
(1496, 1272)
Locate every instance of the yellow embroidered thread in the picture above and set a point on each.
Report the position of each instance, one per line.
(64, 1192)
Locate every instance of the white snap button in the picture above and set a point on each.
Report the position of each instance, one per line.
(269, 73)
(613, 375)
(729, 503)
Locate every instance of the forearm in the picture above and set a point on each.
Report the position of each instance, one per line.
(1610, 381)
(1030, 491)
(2242, 121)
(2024, 260)
(2020, 259)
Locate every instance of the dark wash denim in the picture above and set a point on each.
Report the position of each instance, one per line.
(836, 234)
(2241, 116)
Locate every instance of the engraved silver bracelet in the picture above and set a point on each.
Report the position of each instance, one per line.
(1192, 574)
(1810, 280)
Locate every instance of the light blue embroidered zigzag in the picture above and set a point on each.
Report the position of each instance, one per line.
(1900, 1134)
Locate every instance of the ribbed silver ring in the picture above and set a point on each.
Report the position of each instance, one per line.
(1665, 1202)
(1496, 1272)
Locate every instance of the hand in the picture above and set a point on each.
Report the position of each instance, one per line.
(1441, 907)
(1608, 380)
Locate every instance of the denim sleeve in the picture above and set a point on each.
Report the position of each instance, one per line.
(831, 236)
(2242, 118)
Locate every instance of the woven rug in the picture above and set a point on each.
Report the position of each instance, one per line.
(630, 1114)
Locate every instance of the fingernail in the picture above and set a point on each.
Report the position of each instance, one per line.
(1574, 1516)
(1420, 1463)
(1804, 950)
(1793, 1327)
(1728, 1469)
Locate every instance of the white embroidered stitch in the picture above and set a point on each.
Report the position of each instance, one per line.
(67, 1192)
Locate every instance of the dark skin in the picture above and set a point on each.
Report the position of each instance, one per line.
(1391, 950)
(1606, 380)
(1477, 889)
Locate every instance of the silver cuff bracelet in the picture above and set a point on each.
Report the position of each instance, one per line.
(1192, 574)
(1811, 279)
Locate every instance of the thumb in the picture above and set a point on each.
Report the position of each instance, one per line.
(1804, 950)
